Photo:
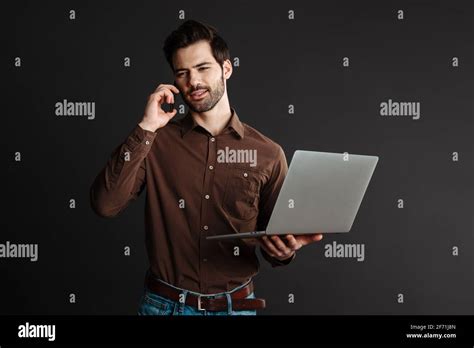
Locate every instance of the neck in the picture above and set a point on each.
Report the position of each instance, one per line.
(215, 119)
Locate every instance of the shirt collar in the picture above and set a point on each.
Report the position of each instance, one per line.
(188, 123)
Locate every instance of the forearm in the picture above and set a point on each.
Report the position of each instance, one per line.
(120, 180)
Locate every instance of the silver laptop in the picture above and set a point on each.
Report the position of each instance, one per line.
(322, 192)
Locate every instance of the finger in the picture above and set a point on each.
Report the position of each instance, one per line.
(280, 245)
(271, 246)
(154, 96)
(160, 96)
(167, 96)
(268, 251)
(292, 242)
(264, 247)
(175, 89)
(169, 87)
(164, 96)
(159, 88)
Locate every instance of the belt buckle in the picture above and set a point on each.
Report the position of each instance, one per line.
(199, 304)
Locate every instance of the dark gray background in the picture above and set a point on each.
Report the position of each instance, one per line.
(282, 62)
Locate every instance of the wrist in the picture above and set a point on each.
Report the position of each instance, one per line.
(147, 126)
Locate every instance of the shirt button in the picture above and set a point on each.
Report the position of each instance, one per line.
(213, 139)
(211, 167)
(206, 227)
(147, 142)
(206, 196)
(245, 175)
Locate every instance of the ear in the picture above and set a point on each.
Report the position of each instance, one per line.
(227, 69)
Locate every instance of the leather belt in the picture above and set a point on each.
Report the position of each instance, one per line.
(208, 302)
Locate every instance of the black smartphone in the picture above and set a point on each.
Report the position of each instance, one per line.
(170, 107)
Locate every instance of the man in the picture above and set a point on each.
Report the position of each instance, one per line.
(193, 191)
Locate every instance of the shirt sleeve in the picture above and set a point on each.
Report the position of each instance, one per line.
(123, 177)
(268, 197)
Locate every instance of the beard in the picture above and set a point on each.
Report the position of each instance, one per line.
(215, 94)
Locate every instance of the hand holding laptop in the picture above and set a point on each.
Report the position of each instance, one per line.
(282, 248)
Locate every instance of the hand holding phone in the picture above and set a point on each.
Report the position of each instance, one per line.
(156, 115)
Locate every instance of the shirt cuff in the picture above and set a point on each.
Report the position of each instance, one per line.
(140, 136)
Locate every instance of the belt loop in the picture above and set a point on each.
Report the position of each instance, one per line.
(229, 303)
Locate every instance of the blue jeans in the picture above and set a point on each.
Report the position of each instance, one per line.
(154, 304)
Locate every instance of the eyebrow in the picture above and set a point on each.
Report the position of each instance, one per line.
(196, 66)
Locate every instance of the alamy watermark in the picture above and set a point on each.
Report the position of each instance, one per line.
(11, 250)
(345, 251)
(28, 330)
(67, 108)
(393, 108)
(228, 155)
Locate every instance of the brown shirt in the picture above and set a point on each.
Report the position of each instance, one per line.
(197, 185)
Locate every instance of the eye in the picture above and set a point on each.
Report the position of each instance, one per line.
(203, 68)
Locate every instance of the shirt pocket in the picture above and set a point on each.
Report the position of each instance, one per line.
(242, 193)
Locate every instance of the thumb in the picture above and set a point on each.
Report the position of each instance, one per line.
(317, 237)
(171, 114)
(311, 238)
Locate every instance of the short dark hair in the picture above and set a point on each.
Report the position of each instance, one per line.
(193, 31)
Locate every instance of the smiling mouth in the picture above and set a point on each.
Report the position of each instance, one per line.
(196, 95)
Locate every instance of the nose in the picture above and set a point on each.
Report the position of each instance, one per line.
(194, 81)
